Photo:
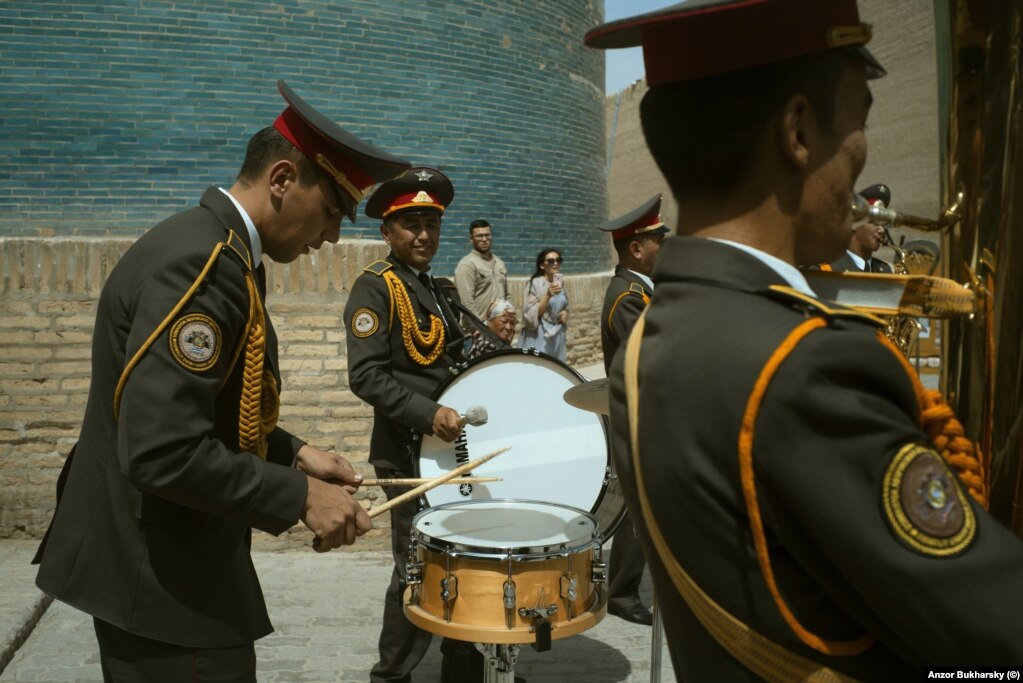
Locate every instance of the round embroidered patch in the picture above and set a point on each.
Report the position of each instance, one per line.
(364, 323)
(925, 506)
(195, 341)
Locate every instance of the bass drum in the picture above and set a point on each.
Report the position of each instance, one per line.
(559, 453)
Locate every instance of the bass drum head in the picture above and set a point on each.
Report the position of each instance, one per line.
(559, 453)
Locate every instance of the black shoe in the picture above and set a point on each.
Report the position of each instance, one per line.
(636, 613)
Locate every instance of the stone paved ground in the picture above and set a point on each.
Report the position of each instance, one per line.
(326, 609)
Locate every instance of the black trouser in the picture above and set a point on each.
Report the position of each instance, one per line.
(130, 658)
(625, 567)
(403, 645)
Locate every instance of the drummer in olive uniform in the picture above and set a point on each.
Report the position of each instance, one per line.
(773, 447)
(637, 239)
(403, 335)
(180, 455)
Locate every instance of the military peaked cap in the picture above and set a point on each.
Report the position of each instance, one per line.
(643, 220)
(700, 38)
(355, 166)
(417, 190)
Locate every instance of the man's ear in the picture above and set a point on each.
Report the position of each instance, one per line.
(383, 232)
(282, 174)
(636, 249)
(794, 130)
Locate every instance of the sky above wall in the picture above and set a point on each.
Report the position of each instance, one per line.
(625, 67)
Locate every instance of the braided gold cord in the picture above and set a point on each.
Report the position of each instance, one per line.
(412, 337)
(939, 422)
(250, 409)
(949, 437)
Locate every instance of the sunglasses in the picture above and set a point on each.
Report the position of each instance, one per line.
(552, 261)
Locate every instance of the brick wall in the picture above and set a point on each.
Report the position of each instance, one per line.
(119, 113)
(48, 290)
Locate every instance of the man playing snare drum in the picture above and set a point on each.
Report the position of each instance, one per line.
(403, 334)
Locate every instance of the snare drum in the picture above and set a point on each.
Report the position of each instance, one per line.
(559, 453)
(496, 571)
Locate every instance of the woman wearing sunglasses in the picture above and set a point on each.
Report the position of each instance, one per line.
(545, 313)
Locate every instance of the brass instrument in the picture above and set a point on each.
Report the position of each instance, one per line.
(979, 68)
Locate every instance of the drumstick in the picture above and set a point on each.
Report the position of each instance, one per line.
(433, 483)
(417, 482)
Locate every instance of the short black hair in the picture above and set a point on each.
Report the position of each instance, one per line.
(478, 223)
(268, 146)
(702, 133)
(621, 246)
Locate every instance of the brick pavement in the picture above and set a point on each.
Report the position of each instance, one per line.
(326, 609)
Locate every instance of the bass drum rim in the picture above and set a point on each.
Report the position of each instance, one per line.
(609, 508)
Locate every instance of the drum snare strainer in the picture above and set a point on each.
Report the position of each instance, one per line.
(505, 571)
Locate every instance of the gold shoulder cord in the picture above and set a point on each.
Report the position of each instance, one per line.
(260, 402)
(412, 337)
(763, 657)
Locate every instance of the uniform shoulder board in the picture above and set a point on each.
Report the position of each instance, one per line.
(237, 245)
(378, 268)
(636, 288)
(828, 309)
(444, 282)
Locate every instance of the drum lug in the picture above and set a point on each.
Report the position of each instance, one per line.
(413, 573)
(568, 587)
(509, 603)
(598, 571)
(448, 593)
(509, 594)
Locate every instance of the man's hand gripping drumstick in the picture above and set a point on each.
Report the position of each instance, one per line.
(331, 512)
(419, 490)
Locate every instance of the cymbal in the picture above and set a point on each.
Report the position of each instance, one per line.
(593, 396)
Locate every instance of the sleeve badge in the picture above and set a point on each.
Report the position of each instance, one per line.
(364, 323)
(924, 504)
(195, 342)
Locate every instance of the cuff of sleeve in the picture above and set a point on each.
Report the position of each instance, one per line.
(281, 499)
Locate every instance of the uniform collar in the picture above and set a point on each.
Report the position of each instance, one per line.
(255, 243)
(645, 279)
(786, 271)
(860, 262)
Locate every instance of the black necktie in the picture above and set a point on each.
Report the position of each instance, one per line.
(425, 278)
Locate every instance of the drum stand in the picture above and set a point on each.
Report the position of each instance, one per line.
(498, 661)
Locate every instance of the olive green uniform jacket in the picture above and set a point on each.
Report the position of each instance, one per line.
(833, 426)
(625, 299)
(380, 370)
(152, 531)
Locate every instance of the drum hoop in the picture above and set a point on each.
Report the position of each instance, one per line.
(458, 370)
(516, 553)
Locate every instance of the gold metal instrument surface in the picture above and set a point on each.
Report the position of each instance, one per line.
(978, 44)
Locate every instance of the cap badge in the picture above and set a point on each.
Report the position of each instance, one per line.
(424, 176)
(423, 198)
